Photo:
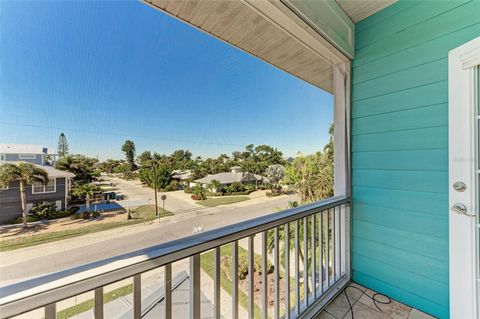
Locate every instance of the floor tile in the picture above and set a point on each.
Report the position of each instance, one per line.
(417, 314)
(339, 306)
(361, 311)
(394, 309)
(325, 315)
(352, 284)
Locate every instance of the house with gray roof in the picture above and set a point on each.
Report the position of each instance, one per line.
(234, 176)
(54, 191)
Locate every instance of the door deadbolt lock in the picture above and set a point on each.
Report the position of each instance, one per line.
(459, 186)
(461, 209)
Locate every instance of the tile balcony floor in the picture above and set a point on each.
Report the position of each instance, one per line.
(364, 308)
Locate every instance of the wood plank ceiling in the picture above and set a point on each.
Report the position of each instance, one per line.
(360, 9)
(240, 24)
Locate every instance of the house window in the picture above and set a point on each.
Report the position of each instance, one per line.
(49, 187)
(27, 156)
(2, 157)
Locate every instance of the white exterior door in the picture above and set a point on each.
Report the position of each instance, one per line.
(464, 178)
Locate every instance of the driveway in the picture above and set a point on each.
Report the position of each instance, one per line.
(137, 195)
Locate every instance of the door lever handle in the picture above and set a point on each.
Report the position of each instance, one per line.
(461, 209)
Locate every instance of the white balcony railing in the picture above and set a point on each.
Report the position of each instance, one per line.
(317, 232)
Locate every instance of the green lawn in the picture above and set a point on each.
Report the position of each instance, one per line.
(147, 212)
(212, 202)
(140, 215)
(88, 304)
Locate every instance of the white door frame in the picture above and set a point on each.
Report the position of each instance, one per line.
(462, 86)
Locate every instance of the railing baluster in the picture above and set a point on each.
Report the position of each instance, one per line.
(251, 255)
(340, 240)
(51, 311)
(216, 282)
(320, 250)
(235, 280)
(276, 269)
(137, 296)
(98, 307)
(195, 286)
(264, 276)
(297, 268)
(168, 290)
(334, 245)
(287, 271)
(327, 249)
(314, 270)
(305, 261)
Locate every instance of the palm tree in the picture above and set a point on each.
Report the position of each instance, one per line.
(215, 186)
(26, 174)
(85, 191)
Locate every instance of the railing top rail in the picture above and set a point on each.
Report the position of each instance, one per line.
(37, 292)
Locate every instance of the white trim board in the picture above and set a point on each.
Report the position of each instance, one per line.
(462, 168)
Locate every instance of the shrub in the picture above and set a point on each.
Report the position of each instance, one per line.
(75, 216)
(82, 215)
(43, 210)
(60, 214)
(188, 190)
(173, 186)
(74, 209)
(30, 218)
(226, 265)
(196, 197)
(273, 194)
(235, 187)
(199, 191)
(257, 265)
(96, 214)
(130, 175)
(242, 267)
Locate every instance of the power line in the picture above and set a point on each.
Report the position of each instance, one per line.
(119, 134)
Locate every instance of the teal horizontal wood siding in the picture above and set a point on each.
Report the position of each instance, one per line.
(400, 148)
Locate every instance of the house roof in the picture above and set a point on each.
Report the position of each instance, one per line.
(181, 175)
(22, 149)
(229, 177)
(52, 172)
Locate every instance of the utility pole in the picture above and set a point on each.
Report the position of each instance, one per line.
(155, 186)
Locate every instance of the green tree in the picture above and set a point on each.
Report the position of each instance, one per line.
(144, 158)
(275, 173)
(62, 145)
(25, 174)
(162, 174)
(215, 186)
(110, 165)
(85, 192)
(82, 166)
(312, 175)
(129, 149)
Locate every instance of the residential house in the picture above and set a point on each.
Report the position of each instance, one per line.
(405, 217)
(182, 176)
(31, 153)
(55, 190)
(236, 175)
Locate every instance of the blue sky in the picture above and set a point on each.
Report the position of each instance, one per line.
(102, 72)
